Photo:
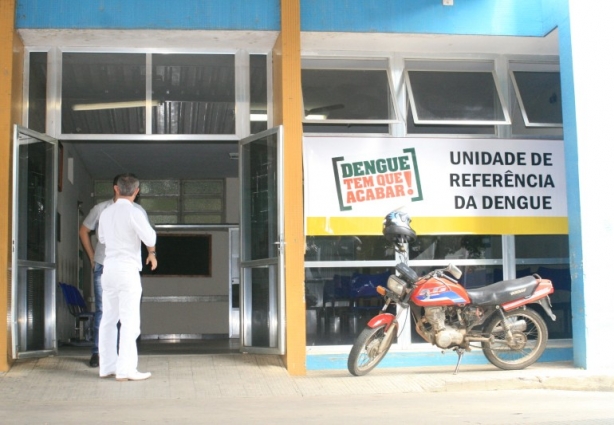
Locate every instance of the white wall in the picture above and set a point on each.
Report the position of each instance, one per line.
(232, 200)
(192, 317)
(590, 22)
(68, 271)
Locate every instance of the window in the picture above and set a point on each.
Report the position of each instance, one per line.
(193, 94)
(451, 93)
(336, 265)
(37, 92)
(258, 111)
(536, 99)
(539, 95)
(150, 94)
(548, 256)
(347, 91)
(176, 201)
(103, 93)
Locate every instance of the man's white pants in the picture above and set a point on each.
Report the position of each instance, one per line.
(121, 300)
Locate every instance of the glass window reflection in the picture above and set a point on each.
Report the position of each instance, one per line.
(456, 247)
(347, 248)
(340, 302)
(103, 93)
(193, 94)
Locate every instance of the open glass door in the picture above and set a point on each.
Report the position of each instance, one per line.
(262, 253)
(35, 159)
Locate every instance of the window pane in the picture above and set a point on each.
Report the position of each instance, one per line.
(330, 94)
(159, 187)
(348, 248)
(202, 204)
(455, 96)
(103, 188)
(540, 95)
(534, 251)
(202, 218)
(159, 204)
(257, 93)
(103, 93)
(340, 302)
(456, 247)
(542, 246)
(413, 128)
(162, 219)
(37, 96)
(346, 128)
(203, 187)
(560, 299)
(519, 128)
(193, 94)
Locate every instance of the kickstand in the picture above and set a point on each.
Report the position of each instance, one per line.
(460, 352)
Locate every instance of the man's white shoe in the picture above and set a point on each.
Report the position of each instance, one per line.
(136, 376)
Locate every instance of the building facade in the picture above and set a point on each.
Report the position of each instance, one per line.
(499, 104)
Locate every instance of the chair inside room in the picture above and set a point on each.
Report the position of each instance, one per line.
(84, 319)
(365, 301)
(336, 302)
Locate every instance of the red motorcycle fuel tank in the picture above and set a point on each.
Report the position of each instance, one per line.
(439, 291)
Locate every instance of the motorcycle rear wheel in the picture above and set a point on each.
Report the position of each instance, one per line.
(529, 341)
(368, 351)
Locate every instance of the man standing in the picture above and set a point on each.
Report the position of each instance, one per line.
(122, 228)
(96, 260)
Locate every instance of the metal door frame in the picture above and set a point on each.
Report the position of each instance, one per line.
(50, 340)
(278, 316)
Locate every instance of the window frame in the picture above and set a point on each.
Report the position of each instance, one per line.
(526, 66)
(481, 66)
(349, 64)
(242, 123)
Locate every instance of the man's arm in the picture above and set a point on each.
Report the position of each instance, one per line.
(84, 235)
(147, 234)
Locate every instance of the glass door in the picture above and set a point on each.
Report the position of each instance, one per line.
(33, 265)
(262, 246)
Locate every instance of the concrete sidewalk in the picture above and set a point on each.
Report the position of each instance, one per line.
(244, 389)
(195, 377)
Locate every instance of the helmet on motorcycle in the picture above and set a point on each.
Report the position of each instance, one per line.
(396, 228)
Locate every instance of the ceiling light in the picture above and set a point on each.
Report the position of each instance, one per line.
(112, 105)
(258, 117)
(315, 117)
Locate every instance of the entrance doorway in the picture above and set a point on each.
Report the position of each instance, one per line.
(185, 200)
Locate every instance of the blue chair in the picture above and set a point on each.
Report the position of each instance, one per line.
(365, 301)
(78, 308)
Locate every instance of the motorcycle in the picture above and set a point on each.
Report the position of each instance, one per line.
(512, 335)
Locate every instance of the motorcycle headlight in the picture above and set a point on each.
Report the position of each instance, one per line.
(396, 285)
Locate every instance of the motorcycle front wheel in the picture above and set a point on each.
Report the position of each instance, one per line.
(368, 350)
(528, 342)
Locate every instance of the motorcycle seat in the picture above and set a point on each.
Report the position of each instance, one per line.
(503, 291)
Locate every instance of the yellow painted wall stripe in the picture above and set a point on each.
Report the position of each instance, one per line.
(326, 226)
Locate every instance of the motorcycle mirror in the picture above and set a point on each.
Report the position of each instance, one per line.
(454, 271)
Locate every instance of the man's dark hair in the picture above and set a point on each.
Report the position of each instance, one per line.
(127, 184)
